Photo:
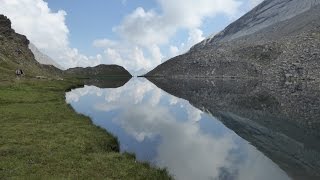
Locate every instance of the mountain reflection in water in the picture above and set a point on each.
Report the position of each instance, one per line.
(281, 119)
(170, 132)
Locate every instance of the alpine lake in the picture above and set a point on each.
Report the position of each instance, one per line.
(210, 128)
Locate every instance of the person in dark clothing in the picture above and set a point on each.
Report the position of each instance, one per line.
(19, 72)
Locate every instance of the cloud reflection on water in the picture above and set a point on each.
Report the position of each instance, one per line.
(145, 113)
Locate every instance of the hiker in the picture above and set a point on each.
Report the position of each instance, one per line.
(19, 72)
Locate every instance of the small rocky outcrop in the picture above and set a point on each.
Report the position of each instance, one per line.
(98, 71)
(12, 44)
(5, 26)
(107, 83)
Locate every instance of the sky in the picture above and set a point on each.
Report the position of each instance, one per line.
(136, 34)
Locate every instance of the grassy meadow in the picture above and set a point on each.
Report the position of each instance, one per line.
(42, 137)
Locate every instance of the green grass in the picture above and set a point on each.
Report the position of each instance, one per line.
(42, 137)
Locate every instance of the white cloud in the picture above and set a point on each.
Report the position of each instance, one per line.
(190, 13)
(144, 28)
(254, 3)
(194, 115)
(102, 43)
(195, 36)
(174, 50)
(148, 30)
(46, 29)
(34, 19)
(131, 57)
(76, 94)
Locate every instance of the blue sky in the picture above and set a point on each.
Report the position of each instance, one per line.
(137, 34)
(89, 21)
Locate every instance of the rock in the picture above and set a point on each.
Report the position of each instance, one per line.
(288, 76)
(5, 25)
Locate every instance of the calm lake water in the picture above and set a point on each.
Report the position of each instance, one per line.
(171, 133)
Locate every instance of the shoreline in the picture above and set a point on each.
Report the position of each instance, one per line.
(43, 136)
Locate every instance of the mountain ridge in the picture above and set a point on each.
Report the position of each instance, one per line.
(101, 70)
(286, 50)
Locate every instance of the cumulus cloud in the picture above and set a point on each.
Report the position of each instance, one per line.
(195, 36)
(46, 29)
(144, 28)
(102, 43)
(132, 57)
(194, 115)
(254, 3)
(190, 14)
(149, 30)
(174, 50)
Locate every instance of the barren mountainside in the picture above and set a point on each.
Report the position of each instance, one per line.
(279, 39)
(43, 58)
(266, 14)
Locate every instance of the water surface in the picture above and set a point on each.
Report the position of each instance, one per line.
(171, 133)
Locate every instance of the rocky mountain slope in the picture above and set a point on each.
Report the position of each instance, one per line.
(14, 52)
(279, 39)
(42, 58)
(98, 71)
(266, 14)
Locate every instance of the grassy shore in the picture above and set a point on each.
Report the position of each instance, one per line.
(42, 137)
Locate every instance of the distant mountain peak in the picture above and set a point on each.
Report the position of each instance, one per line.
(43, 58)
